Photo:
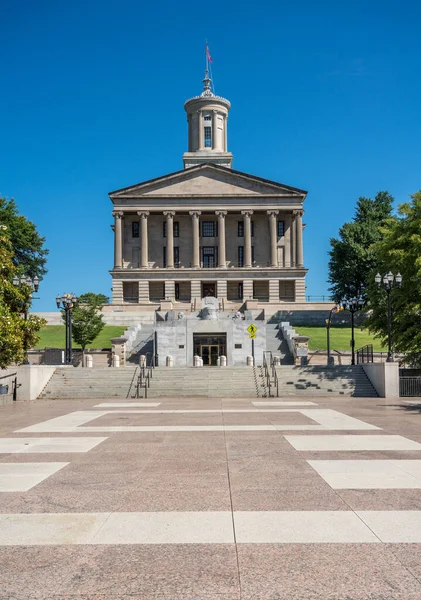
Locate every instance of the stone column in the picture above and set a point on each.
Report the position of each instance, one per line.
(299, 238)
(196, 291)
(144, 238)
(117, 291)
(196, 249)
(170, 290)
(201, 132)
(214, 121)
(143, 291)
(118, 239)
(287, 252)
(221, 292)
(247, 237)
(273, 214)
(169, 214)
(226, 133)
(190, 136)
(293, 240)
(247, 289)
(274, 290)
(222, 259)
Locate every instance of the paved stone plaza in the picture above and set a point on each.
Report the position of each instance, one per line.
(200, 499)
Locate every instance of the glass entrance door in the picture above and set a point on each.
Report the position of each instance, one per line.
(210, 354)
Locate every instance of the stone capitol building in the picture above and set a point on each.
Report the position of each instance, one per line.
(208, 230)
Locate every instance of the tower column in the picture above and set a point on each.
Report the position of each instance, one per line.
(226, 133)
(299, 238)
(118, 239)
(247, 237)
(196, 249)
(222, 259)
(201, 132)
(273, 237)
(169, 214)
(144, 260)
(293, 239)
(214, 119)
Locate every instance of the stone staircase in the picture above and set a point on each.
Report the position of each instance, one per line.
(319, 380)
(237, 382)
(276, 343)
(77, 383)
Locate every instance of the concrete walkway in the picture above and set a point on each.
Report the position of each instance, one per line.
(219, 498)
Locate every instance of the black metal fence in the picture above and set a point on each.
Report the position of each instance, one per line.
(365, 354)
(410, 386)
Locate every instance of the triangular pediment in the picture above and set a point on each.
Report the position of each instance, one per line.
(207, 181)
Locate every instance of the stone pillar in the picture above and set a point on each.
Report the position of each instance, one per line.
(118, 239)
(287, 253)
(143, 291)
(144, 261)
(274, 290)
(221, 289)
(222, 259)
(299, 237)
(196, 249)
(214, 120)
(226, 133)
(201, 131)
(293, 240)
(196, 291)
(117, 291)
(300, 290)
(190, 141)
(247, 289)
(273, 214)
(169, 214)
(247, 237)
(170, 290)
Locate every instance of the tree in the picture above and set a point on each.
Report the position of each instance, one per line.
(29, 254)
(399, 250)
(352, 258)
(87, 320)
(16, 333)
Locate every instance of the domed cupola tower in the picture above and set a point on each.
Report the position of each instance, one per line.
(207, 117)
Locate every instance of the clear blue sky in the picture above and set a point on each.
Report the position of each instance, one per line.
(325, 96)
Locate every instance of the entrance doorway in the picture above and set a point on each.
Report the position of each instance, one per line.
(209, 347)
(208, 289)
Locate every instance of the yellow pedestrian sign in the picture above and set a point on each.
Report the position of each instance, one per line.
(252, 331)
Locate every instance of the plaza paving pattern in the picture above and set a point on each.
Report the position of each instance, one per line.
(210, 498)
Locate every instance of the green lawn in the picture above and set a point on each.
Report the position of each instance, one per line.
(54, 336)
(340, 338)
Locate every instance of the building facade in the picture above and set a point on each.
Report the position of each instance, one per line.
(207, 230)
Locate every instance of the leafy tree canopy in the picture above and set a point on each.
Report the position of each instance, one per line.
(97, 300)
(352, 258)
(16, 333)
(29, 253)
(399, 250)
(87, 320)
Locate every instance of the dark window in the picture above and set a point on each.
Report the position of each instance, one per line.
(164, 257)
(252, 254)
(208, 118)
(240, 256)
(176, 229)
(208, 229)
(176, 257)
(208, 137)
(181, 346)
(238, 346)
(209, 256)
(240, 290)
(281, 228)
(240, 231)
(135, 229)
(177, 297)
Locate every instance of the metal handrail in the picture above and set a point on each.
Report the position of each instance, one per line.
(365, 354)
(15, 384)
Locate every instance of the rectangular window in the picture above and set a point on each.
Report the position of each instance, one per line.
(240, 256)
(209, 257)
(252, 255)
(207, 118)
(177, 296)
(164, 256)
(135, 229)
(208, 229)
(240, 230)
(208, 137)
(176, 257)
(281, 228)
(176, 229)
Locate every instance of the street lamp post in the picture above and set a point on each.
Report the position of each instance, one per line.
(353, 305)
(333, 310)
(389, 281)
(33, 284)
(67, 302)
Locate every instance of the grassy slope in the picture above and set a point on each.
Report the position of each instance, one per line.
(340, 338)
(53, 336)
